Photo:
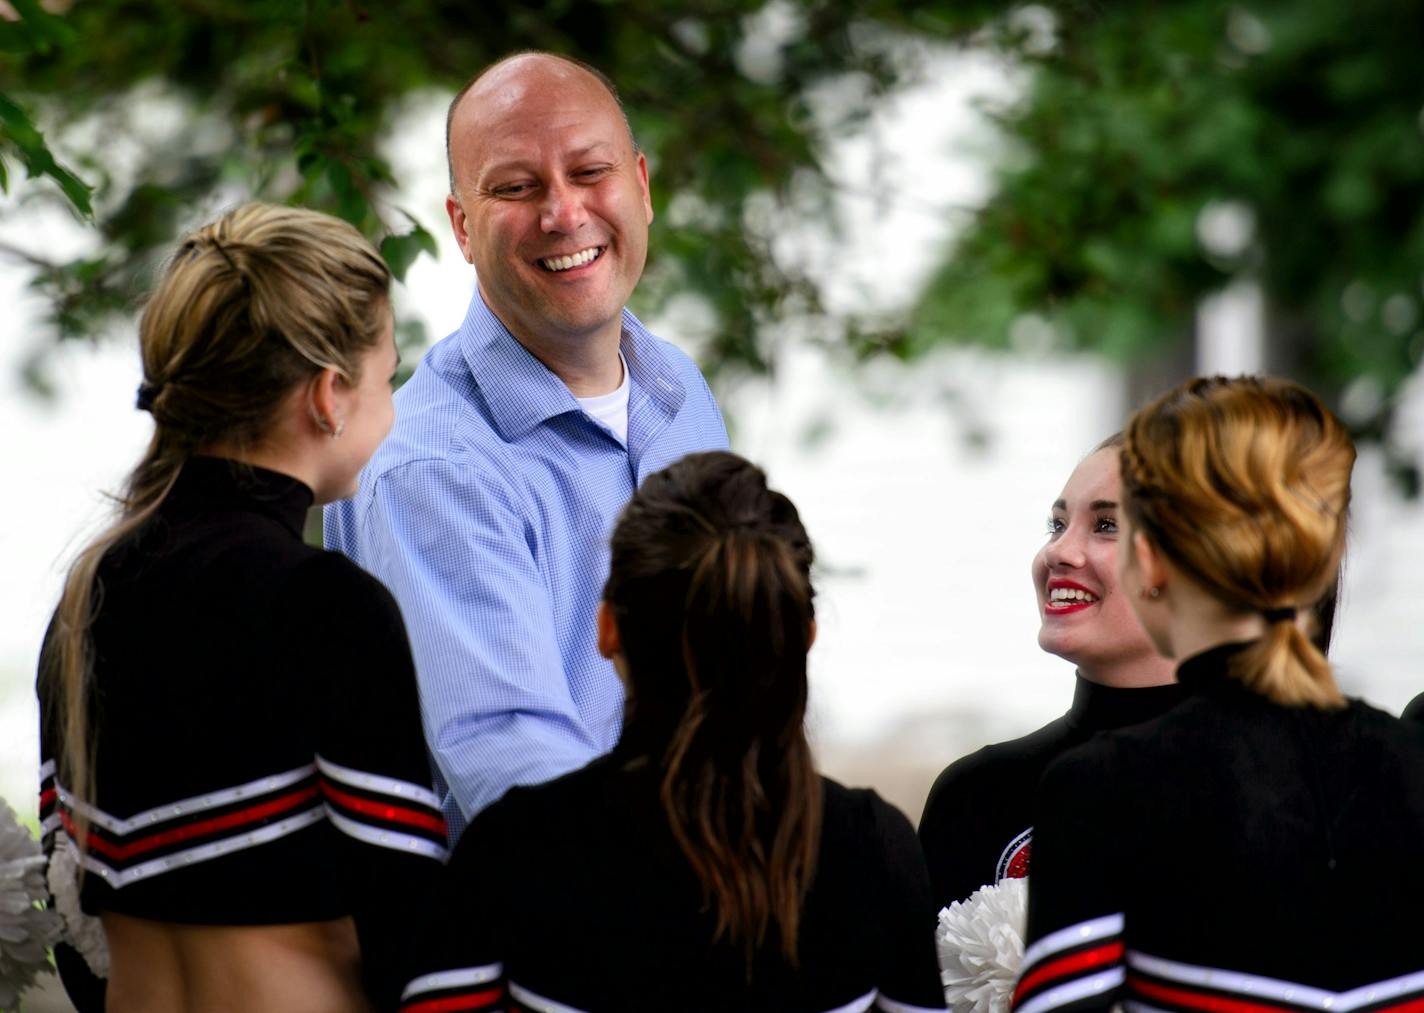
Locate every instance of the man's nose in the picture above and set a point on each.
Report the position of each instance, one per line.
(562, 210)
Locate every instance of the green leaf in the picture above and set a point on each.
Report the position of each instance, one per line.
(401, 250)
(17, 127)
(46, 31)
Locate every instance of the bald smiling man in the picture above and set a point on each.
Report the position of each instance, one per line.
(521, 436)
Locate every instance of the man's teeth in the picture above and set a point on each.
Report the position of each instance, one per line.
(572, 260)
(1067, 594)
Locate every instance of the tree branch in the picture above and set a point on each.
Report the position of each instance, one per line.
(34, 260)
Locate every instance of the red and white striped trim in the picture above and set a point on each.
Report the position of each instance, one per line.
(184, 807)
(51, 822)
(859, 1005)
(383, 837)
(462, 977)
(871, 1000)
(192, 856)
(1256, 987)
(537, 1002)
(377, 782)
(1104, 927)
(1073, 991)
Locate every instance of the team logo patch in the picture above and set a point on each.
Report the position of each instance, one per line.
(1013, 863)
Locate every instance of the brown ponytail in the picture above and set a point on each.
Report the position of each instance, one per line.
(710, 587)
(251, 306)
(1245, 485)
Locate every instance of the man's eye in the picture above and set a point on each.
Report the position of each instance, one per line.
(513, 189)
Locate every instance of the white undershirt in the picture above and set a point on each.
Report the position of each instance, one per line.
(611, 409)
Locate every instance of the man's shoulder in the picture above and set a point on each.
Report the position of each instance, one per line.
(664, 352)
(439, 415)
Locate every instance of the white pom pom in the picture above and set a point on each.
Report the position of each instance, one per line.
(27, 929)
(981, 947)
(84, 932)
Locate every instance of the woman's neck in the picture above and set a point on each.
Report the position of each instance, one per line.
(1137, 672)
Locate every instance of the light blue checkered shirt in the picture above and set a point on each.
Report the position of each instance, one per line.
(487, 512)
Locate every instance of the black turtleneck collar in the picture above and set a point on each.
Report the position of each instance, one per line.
(1098, 708)
(1211, 668)
(219, 482)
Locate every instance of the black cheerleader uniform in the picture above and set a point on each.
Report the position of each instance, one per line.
(1231, 855)
(977, 827)
(573, 896)
(259, 752)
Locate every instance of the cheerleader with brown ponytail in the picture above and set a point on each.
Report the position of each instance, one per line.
(1258, 847)
(703, 865)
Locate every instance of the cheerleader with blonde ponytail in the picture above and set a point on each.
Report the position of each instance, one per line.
(1234, 850)
(232, 756)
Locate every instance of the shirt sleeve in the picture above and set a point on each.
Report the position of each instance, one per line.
(909, 977)
(457, 554)
(957, 831)
(85, 989)
(1074, 957)
(371, 760)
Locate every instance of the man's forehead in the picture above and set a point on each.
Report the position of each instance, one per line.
(531, 131)
(532, 86)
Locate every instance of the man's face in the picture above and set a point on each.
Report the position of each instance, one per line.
(551, 202)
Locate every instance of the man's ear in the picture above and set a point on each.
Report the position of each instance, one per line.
(456, 212)
(610, 643)
(642, 170)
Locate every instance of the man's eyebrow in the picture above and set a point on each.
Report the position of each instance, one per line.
(589, 148)
(523, 165)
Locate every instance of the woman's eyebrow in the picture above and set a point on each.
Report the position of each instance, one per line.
(1103, 504)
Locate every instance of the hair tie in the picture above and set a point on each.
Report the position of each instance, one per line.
(147, 394)
(1280, 615)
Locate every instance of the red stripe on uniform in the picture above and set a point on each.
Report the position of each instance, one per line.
(394, 813)
(1096, 957)
(1195, 1000)
(46, 797)
(252, 814)
(455, 1002)
(1412, 1006)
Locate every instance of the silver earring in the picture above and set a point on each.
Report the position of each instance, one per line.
(340, 427)
(1149, 592)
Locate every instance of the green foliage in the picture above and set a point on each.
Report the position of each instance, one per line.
(292, 101)
(1306, 117)
(1301, 121)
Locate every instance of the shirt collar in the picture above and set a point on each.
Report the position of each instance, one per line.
(522, 392)
(1211, 669)
(1098, 708)
(206, 483)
